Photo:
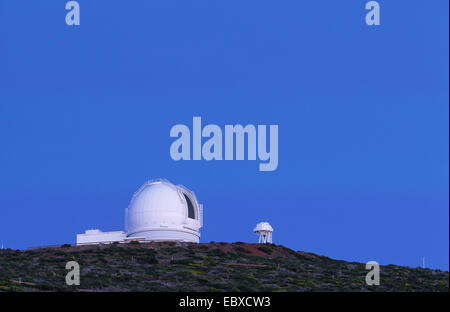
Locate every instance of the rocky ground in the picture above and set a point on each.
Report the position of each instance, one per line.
(202, 267)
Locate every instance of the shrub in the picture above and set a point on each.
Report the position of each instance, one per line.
(217, 253)
(241, 249)
(172, 250)
(147, 259)
(181, 261)
(266, 249)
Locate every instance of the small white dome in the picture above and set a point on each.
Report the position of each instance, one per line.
(264, 231)
(161, 211)
(263, 226)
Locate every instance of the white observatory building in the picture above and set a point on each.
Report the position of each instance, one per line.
(264, 230)
(158, 211)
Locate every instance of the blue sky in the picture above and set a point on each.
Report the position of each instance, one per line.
(85, 116)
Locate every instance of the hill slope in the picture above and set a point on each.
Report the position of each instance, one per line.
(203, 267)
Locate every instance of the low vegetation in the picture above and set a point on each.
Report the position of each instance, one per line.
(203, 267)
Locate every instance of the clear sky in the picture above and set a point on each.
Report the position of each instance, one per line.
(363, 115)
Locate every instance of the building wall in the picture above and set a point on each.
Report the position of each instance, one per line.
(172, 234)
(98, 237)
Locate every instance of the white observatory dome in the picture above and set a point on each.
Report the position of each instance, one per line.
(264, 230)
(263, 226)
(161, 211)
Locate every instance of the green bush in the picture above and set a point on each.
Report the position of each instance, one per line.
(217, 252)
(266, 249)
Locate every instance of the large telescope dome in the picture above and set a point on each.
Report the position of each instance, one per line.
(161, 211)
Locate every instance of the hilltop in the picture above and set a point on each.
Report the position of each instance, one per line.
(201, 267)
